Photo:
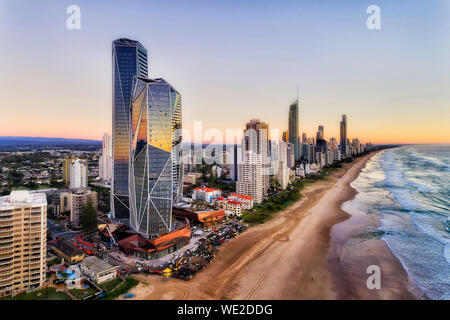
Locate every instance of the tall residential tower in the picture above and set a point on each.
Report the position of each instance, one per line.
(23, 241)
(129, 59)
(105, 160)
(256, 140)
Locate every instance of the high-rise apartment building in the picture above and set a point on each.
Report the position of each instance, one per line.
(320, 133)
(283, 170)
(78, 174)
(79, 199)
(59, 201)
(234, 163)
(129, 59)
(66, 170)
(156, 169)
(290, 155)
(105, 160)
(294, 128)
(343, 131)
(256, 140)
(250, 177)
(23, 237)
(356, 146)
(304, 138)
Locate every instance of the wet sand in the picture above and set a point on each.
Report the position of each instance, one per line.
(294, 255)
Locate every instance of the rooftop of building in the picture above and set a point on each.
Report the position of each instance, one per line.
(242, 196)
(206, 189)
(157, 81)
(83, 191)
(136, 242)
(68, 248)
(128, 42)
(22, 198)
(96, 265)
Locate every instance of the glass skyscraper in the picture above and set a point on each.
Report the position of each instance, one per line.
(129, 60)
(156, 169)
(294, 128)
(343, 131)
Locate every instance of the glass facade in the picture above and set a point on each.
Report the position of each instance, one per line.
(155, 160)
(129, 60)
(294, 128)
(343, 129)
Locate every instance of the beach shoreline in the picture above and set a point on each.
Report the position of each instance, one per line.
(293, 255)
(353, 248)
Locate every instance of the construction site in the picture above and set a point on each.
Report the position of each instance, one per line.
(115, 248)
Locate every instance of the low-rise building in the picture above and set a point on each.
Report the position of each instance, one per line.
(68, 252)
(98, 270)
(246, 201)
(206, 194)
(206, 218)
(233, 208)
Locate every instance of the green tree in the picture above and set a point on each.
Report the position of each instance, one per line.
(32, 185)
(88, 219)
(53, 181)
(14, 178)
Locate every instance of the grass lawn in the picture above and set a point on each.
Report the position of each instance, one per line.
(82, 293)
(43, 294)
(54, 262)
(109, 285)
(126, 286)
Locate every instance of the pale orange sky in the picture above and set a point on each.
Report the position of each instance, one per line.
(245, 63)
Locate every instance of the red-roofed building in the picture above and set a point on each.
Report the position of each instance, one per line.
(206, 194)
(158, 247)
(246, 201)
(233, 207)
(206, 218)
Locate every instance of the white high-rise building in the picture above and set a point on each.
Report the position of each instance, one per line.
(78, 174)
(256, 140)
(250, 177)
(282, 173)
(105, 160)
(23, 241)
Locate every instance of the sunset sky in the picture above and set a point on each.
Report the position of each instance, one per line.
(233, 61)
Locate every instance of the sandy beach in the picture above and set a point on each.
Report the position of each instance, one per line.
(295, 255)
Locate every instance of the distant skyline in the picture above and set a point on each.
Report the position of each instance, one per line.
(233, 61)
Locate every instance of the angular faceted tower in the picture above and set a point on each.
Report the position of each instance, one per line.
(156, 170)
(129, 60)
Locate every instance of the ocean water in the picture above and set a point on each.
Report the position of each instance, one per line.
(409, 189)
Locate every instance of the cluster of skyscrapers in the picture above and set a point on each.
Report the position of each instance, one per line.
(263, 161)
(147, 169)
